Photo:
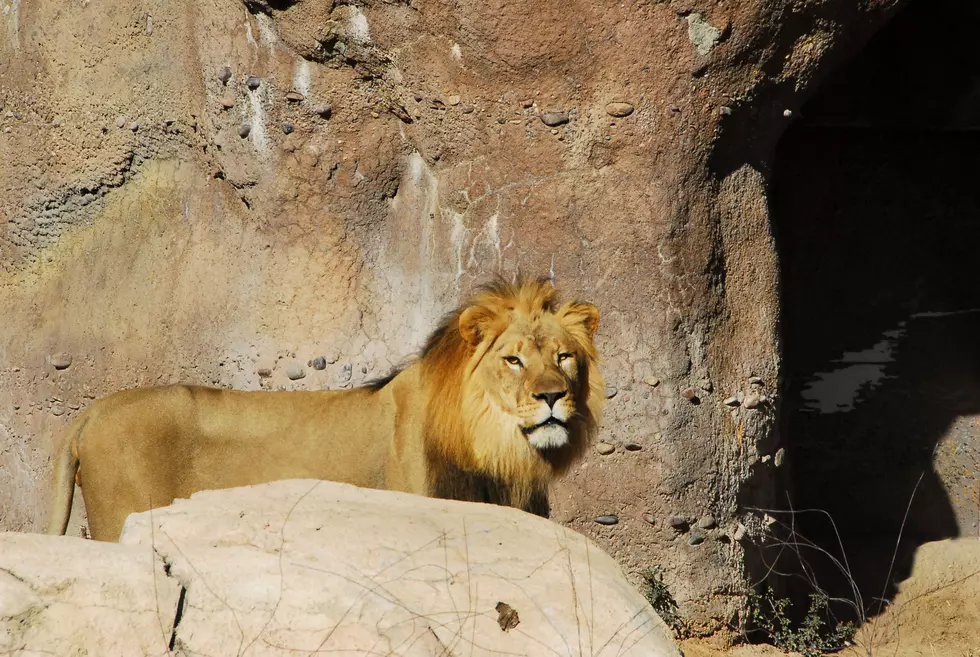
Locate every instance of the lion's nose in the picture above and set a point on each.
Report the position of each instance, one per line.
(550, 397)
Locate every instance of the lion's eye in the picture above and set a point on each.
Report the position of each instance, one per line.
(513, 360)
(563, 357)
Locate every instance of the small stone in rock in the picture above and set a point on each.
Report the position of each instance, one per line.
(707, 522)
(120, 121)
(287, 127)
(224, 74)
(319, 363)
(725, 110)
(134, 126)
(740, 532)
(607, 520)
(611, 391)
(604, 448)
(649, 518)
(253, 82)
(453, 100)
(527, 104)
(696, 538)
(295, 97)
(633, 447)
(57, 409)
(554, 119)
(779, 458)
(678, 523)
(787, 113)
(755, 381)
(731, 401)
(60, 360)
(691, 395)
(751, 401)
(619, 110)
(227, 103)
(467, 109)
(418, 98)
(323, 110)
(243, 130)
(651, 381)
(264, 372)
(295, 372)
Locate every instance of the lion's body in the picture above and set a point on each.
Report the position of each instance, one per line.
(430, 430)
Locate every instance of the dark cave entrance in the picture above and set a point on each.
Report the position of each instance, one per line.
(876, 205)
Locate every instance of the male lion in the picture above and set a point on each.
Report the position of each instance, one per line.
(505, 396)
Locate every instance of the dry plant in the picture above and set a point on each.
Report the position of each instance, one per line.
(817, 638)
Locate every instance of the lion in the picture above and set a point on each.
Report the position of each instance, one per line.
(505, 397)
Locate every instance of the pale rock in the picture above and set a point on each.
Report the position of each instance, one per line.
(296, 566)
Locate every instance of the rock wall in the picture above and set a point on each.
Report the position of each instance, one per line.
(199, 191)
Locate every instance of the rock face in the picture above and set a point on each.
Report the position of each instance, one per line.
(303, 566)
(183, 247)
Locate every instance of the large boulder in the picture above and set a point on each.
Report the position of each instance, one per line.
(300, 566)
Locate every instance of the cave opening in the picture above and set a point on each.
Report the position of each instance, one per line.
(877, 223)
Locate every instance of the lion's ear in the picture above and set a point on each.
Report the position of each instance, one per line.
(581, 314)
(472, 324)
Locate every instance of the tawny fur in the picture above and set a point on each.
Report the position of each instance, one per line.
(460, 422)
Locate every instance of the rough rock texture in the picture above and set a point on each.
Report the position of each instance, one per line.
(937, 609)
(307, 566)
(67, 596)
(144, 236)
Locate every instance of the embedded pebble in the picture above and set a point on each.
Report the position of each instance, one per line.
(418, 98)
(120, 121)
(295, 372)
(253, 82)
(611, 391)
(679, 523)
(755, 380)
(295, 97)
(606, 520)
(725, 110)
(731, 401)
(632, 447)
(740, 532)
(554, 119)
(134, 126)
(287, 127)
(224, 74)
(604, 448)
(619, 110)
(787, 113)
(527, 104)
(264, 372)
(467, 109)
(779, 458)
(319, 363)
(707, 522)
(453, 100)
(57, 409)
(60, 360)
(346, 372)
(691, 395)
(649, 518)
(243, 130)
(323, 110)
(227, 103)
(696, 538)
(752, 401)
(651, 381)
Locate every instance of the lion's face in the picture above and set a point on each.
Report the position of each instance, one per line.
(534, 372)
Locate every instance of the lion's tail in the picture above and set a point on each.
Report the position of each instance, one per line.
(65, 467)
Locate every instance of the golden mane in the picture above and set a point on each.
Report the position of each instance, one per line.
(453, 422)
